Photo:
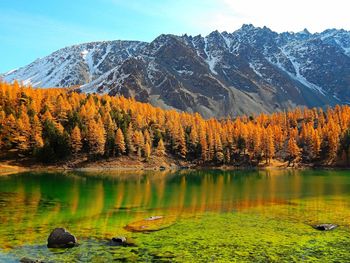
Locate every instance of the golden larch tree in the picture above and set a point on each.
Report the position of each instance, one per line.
(293, 151)
(160, 151)
(119, 142)
(76, 140)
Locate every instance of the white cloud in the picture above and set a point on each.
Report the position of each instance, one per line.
(280, 15)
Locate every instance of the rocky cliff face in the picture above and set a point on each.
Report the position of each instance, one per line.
(248, 71)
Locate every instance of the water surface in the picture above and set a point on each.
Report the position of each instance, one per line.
(208, 216)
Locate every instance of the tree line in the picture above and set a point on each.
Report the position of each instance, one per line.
(56, 124)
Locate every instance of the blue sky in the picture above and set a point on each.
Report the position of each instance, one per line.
(34, 28)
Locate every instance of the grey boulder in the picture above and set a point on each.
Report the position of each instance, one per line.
(61, 238)
(325, 227)
(29, 260)
(121, 241)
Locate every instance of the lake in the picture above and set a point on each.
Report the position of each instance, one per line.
(203, 216)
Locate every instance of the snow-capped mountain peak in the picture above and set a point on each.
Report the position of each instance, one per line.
(75, 65)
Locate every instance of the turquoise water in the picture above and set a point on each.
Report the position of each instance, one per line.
(207, 216)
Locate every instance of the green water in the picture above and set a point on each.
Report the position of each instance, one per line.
(208, 216)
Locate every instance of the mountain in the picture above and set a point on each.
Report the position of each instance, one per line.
(250, 70)
(75, 65)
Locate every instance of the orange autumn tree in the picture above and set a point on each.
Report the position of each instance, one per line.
(76, 143)
(160, 150)
(119, 142)
(95, 136)
(54, 124)
(293, 150)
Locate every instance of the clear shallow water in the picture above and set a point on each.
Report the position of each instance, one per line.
(215, 216)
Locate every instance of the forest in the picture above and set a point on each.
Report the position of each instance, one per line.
(50, 125)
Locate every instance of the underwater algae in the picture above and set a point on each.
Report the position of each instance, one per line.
(206, 217)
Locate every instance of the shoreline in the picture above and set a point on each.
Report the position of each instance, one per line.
(8, 167)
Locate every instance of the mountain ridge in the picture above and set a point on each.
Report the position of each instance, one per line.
(248, 71)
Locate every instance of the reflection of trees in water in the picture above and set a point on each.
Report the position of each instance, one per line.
(100, 206)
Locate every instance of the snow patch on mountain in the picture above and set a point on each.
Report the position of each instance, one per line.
(152, 71)
(255, 67)
(298, 66)
(210, 59)
(108, 50)
(185, 72)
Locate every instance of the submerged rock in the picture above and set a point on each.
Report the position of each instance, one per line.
(29, 260)
(154, 218)
(61, 238)
(151, 224)
(121, 241)
(325, 227)
(163, 257)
